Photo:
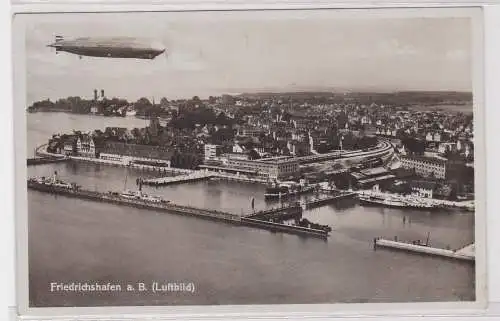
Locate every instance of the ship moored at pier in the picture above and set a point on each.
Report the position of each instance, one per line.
(377, 198)
(395, 202)
(288, 189)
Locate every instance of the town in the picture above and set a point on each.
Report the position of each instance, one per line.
(409, 143)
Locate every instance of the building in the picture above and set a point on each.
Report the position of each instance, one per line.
(212, 152)
(423, 188)
(85, 146)
(135, 153)
(443, 147)
(251, 131)
(69, 147)
(271, 168)
(154, 126)
(299, 148)
(369, 177)
(425, 166)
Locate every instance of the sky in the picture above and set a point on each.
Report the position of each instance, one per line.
(211, 53)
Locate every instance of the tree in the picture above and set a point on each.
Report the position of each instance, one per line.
(142, 104)
(253, 154)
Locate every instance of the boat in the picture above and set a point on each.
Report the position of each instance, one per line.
(327, 187)
(377, 198)
(138, 195)
(386, 202)
(131, 113)
(394, 201)
(50, 183)
(287, 189)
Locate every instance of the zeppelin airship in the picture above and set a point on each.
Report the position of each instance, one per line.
(111, 47)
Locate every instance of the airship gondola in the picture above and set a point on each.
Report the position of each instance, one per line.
(112, 47)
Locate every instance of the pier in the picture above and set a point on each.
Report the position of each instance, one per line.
(165, 206)
(327, 200)
(170, 180)
(466, 253)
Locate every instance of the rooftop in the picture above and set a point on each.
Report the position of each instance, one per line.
(433, 160)
(373, 171)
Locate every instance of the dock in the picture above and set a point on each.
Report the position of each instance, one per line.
(327, 200)
(170, 180)
(466, 253)
(169, 207)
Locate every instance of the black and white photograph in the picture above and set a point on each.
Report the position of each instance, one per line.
(277, 157)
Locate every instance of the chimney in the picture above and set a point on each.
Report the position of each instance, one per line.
(95, 94)
(102, 93)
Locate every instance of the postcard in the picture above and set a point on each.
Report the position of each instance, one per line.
(256, 158)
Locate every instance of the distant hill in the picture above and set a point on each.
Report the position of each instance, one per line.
(404, 98)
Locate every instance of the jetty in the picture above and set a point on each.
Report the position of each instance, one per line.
(170, 180)
(327, 200)
(169, 207)
(466, 253)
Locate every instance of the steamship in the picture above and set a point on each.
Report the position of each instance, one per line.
(287, 189)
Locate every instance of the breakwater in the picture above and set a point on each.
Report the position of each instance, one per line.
(166, 206)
